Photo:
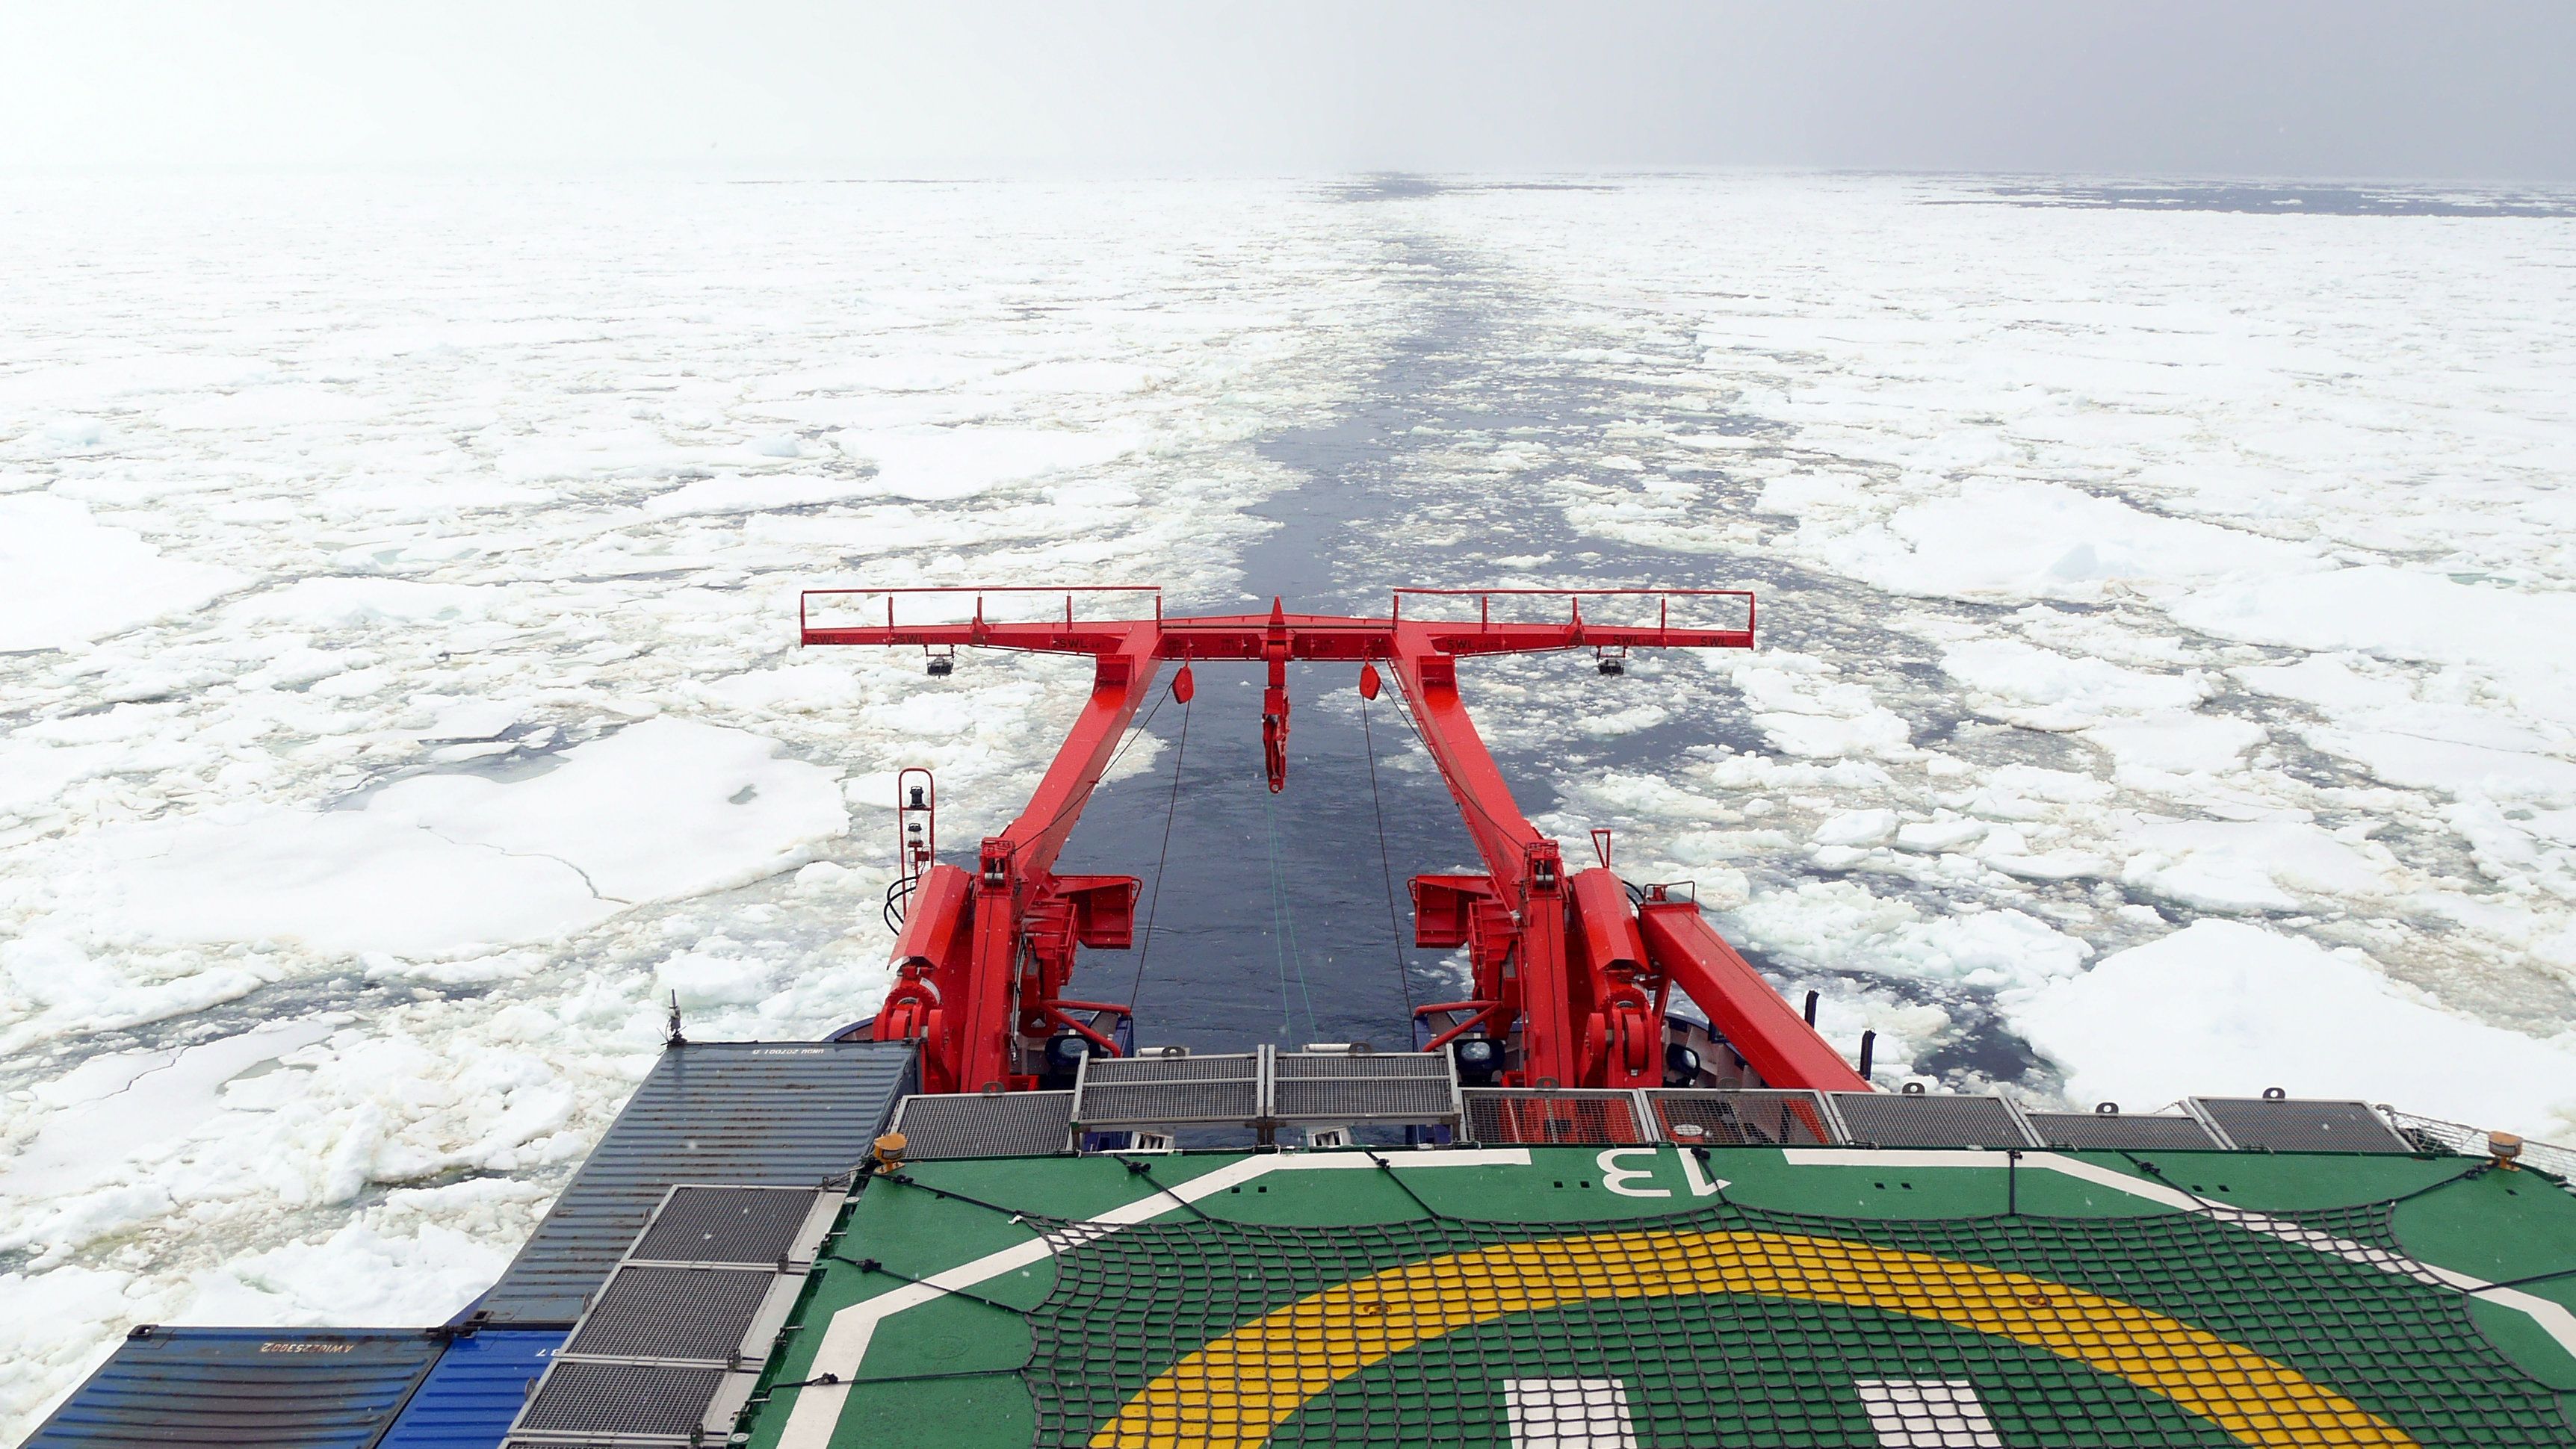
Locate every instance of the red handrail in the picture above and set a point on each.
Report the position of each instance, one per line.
(1574, 598)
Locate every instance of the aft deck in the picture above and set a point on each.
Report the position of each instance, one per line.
(1658, 1294)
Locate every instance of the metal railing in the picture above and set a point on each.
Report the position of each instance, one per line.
(2432, 1134)
(1574, 606)
(977, 593)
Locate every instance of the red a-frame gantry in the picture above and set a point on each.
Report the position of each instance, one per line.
(1566, 968)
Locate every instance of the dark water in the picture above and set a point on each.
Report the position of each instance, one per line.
(1382, 504)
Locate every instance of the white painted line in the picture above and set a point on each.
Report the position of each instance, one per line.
(1569, 1414)
(2553, 1318)
(845, 1340)
(1927, 1414)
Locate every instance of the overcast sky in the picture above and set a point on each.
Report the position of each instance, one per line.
(2352, 88)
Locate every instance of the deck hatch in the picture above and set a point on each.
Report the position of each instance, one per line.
(591, 1400)
(2274, 1124)
(2158, 1132)
(1499, 1116)
(1169, 1091)
(1892, 1119)
(1011, 1124)
(669, 1351)
(672, 1314)
(787, 1114)
(749, 1225)
(1703, 1117)
(1363, 1087)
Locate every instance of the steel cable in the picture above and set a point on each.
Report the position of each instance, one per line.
(1386, 869)
(1153, 904)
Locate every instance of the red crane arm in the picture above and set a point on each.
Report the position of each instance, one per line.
(1120, 679)
(985, 958)
(1771, 1038)
(1523, 866)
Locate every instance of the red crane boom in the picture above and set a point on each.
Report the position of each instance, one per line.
(1565, 967)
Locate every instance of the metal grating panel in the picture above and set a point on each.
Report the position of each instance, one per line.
(278, 1388)
(2118, 1130)
(692, 1314)
(1892, 1119)
(749, 1225)
(1721, 1118)
(662, 1400)
(479, 1386)
(788, 1114)
(1498, 1116)
(2271, 1125)
(1014, 1124)
(1168, 1090)
(1379, 1087)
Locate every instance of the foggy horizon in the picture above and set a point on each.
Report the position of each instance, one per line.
(2371, 92)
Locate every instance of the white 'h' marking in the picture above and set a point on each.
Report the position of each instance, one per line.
(1927, 1414)
(1569, 1414)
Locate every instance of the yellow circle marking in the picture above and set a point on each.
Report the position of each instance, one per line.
(1236, 1391)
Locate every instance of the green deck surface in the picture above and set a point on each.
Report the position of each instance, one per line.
(1117, 1352)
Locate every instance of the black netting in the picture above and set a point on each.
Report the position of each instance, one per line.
(1937, 1319)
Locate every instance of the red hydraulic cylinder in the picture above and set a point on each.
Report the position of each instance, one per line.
(930, 955)
(1752, 1017)
(1623, 1032)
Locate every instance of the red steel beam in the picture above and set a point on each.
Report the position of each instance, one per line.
(1524, 864)
(1753, 1018)
(1015, 871)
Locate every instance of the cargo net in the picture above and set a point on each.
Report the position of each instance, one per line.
(1741, 1327)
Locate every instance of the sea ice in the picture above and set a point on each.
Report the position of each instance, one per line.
(72, 579)
(609, 810)
(433, 660)
(2226, 1009)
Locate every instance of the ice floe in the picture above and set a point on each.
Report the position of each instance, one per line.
(2224, 1009)
(72, 579)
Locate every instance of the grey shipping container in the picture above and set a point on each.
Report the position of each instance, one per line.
(768, 1114)
(284, 1388)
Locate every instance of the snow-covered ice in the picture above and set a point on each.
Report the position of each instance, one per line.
(73, 579)
(2222, 1008)
(2164, 683)
(398, 693)
(2121, 571)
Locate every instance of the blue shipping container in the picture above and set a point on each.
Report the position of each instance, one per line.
(468, 1401)
(282, 1388)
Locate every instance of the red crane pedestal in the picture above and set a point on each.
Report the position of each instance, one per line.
(1569, 975)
